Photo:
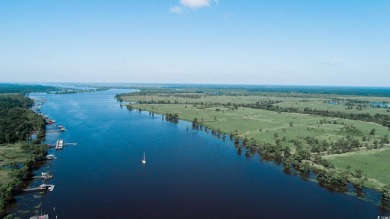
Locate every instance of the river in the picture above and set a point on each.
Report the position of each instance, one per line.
(188, 174)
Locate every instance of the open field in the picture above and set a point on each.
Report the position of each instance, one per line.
(374, 163)
(340, 107)
(206, 99)
(262, 124)
(300, 101)
(11, 153)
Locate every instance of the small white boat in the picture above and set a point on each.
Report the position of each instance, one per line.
(144, 160)
(51, 188)
(51, 157)
(47, 186)
(46, 176)
(59, 144)
(62, 128)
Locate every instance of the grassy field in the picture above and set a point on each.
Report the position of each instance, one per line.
(10, 153)
(266, 126)
(325, 105)
(262, 124)
(374, 163)
(285, 100)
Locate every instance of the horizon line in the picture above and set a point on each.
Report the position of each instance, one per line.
(192, 84)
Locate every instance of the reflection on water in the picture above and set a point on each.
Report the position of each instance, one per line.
(189, 173)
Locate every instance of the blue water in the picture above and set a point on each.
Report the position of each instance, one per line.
(189, 173)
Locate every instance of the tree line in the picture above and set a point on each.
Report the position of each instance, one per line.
(25, 88)
(305, 160)
(17, 122)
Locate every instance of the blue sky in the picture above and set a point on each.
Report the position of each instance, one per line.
(301, 42)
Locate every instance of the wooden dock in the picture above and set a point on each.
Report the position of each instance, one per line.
(60, 128)
(49, 187)
(60, 144)
(45, 176)
(53, 131)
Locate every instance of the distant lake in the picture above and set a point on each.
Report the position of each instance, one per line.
(188, 174)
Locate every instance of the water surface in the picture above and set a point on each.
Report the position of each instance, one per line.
(189, 173)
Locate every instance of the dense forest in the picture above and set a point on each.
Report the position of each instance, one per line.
(25, 88)
(16, 120)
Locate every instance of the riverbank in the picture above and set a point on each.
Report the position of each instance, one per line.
(18, 151)
(309, 139)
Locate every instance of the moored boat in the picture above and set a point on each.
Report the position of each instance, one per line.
(51, 157)
(59, 144)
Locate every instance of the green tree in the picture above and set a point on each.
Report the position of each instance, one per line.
(194, 122)
(359, 173)
(302, 154)
(287, 151)
(385, 140)
(386, 192)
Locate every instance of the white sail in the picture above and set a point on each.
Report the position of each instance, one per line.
(144, 160)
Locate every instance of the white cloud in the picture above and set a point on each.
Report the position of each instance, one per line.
(191, 4)
(194, 4)
(176, 9)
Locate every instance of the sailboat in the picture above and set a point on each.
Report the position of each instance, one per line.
(144, 160)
